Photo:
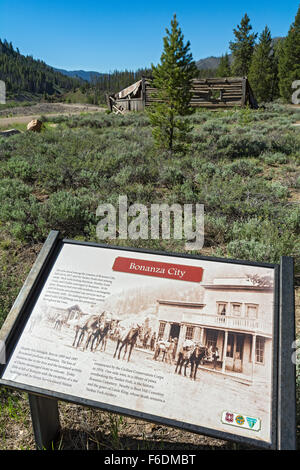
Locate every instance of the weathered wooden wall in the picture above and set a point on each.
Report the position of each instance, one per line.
(212, 93)
(131, 105)
(207, 92)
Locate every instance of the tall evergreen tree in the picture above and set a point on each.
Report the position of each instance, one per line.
(262, 68)
(224, 69)
(242, 48)
(289, 60)
(277, 48)
(172, 78)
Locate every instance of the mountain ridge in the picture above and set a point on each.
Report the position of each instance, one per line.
(207, 63)
(81, 74)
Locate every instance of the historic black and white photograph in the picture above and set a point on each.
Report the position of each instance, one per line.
(193, 351)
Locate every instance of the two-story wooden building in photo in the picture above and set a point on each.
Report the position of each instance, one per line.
(235, 316)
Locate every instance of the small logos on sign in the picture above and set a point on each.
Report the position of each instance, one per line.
(229, 417)
(251, 422)
(242, 421)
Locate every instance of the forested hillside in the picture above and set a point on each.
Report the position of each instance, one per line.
(108, 83)
(25, 74)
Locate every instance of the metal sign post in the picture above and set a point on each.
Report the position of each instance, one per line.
(45, 420)
(286, 368)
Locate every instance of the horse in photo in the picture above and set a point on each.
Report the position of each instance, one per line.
(86, 329)
(199, 353)
(100, 336)
(184, 356)
(127, 340)
(59, 322)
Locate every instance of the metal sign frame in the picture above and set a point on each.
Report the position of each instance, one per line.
(44, 404)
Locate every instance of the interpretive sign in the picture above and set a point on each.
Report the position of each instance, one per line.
(182, 340)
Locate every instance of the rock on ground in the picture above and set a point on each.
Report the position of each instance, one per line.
(35, 125)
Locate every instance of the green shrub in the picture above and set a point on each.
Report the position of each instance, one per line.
(208, 169)
(241, 145)
(57, 178)
(263, 240)
(21, 211)
(216, 229)
(171, 175)
(70, 213)
(18, 167)
(249, 250)
(242, 168)
(274, 159)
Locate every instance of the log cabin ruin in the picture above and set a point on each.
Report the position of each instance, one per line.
(211, 93)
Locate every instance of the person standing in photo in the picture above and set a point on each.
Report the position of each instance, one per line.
(170, 350)
(165, 354)
(160, 348)
(175, 348)
(215, 356)
(153, 341)
(210, 354)
(145, 341)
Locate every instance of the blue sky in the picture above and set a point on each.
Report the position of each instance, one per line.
(104, 36)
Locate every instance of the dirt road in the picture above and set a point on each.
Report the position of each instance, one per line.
(24, 114)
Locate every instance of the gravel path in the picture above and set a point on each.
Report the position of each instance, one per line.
(24, 114)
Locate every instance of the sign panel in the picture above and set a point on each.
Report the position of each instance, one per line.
(182, 340)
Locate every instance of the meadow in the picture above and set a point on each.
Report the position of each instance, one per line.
(243, 165)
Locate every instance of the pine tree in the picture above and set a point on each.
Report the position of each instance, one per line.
(262, 68)
(172, 79)
(277, 48)
(223, 69)
(242, 48)
(289, 60)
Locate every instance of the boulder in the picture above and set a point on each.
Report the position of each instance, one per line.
(9, 132)
(35, 125)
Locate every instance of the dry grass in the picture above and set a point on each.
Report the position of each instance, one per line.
(83, 428)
